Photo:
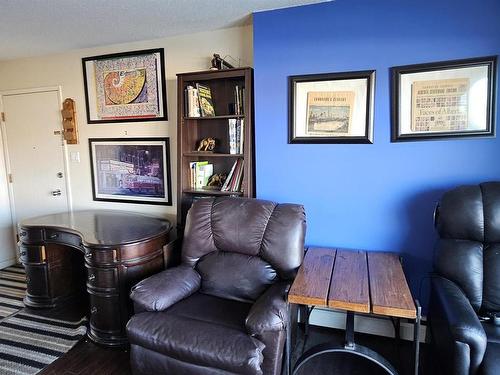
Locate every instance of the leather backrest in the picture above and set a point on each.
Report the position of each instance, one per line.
(468, 252)
(242, 245)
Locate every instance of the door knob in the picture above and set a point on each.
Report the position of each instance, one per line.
(56, 193)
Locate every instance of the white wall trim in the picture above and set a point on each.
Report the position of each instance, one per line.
(364, 324)
(7, 263)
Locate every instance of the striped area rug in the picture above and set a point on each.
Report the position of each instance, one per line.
(12, 290)
(28, 342)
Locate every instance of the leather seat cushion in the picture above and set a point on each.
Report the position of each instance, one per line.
(491, 360)
(492, 333)
(202, 330)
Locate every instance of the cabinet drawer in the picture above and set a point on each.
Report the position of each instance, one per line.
(37, 281)
(105, 313)
(32, 254)
(101, 257)
(56, 236)
(101, 278)
(30, 235)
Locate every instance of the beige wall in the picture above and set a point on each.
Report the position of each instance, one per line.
(182, 54)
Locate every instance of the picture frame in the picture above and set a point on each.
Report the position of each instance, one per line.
(331, 107)
(125, 87)
(131, 170)
(443, 100)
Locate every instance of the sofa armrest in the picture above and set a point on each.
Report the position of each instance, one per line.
(269, 312)
(160, 291)
(456, 328)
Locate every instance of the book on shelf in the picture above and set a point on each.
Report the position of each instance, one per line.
(201, 171)
(235, 177)
(236, 135)
(192, 103)
(238, 100)
(206, 103)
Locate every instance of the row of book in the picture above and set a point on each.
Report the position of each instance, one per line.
(235, 177)
(236, 136)
(198, 101)
(239, 95)
(201, 171)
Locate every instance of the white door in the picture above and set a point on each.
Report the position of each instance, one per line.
(35, 153)
(7, 244)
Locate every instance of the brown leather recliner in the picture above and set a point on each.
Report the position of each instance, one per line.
(223, 310)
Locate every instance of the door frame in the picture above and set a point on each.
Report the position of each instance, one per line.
(5, 142)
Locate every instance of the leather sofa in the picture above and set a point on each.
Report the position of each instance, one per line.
(466, 285)
(223, 310)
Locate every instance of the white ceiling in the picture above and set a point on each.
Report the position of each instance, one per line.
(38, 27)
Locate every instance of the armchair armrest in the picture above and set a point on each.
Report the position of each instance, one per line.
(456, 328)
(269, 312)
(160, 291)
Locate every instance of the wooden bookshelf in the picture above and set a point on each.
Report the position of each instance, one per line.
(191, 130)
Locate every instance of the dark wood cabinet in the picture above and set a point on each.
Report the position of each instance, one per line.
(191, 130)
(99, 254)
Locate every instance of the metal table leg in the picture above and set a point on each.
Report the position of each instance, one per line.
(416, 336)
(349, 347)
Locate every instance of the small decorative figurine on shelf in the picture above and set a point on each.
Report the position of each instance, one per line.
(215, 182)
(206, 144)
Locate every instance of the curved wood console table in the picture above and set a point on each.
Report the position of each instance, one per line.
(119, 249)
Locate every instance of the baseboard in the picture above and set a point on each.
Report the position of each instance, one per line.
(7, 263)
(366, 324)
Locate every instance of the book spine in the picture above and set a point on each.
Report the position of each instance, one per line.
(229, 177)
(232, 136)
(242, 135)
(238, 136)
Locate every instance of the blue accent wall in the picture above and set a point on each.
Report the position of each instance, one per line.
(380, 196)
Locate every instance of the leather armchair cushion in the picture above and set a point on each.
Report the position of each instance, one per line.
(197, 342)
(492, 333)
(462, 262)
(491, 288)
(461, 214)
(235, 276)
(160, 291)
(491, 361)
(249, 227)
(491, 202)
(269, 312)
(214, 310)
(450, 308)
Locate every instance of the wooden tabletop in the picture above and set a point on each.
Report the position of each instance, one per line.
(103, 227)
(359, 281)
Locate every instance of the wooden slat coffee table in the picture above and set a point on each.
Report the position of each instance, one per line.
(356, 282)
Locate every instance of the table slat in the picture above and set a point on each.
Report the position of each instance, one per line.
(390, 294)
(313, 279)
(349, 284)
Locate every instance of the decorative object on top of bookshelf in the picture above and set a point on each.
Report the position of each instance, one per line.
(132, 170)
(219, 63)
(207, 145)
(445, 99)
(331, 108)
(125, 87)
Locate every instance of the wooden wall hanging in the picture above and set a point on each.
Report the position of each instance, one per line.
(70, 130)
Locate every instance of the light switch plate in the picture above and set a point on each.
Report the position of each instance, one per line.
(75, 157)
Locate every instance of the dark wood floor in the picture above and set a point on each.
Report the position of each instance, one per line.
(88, 358)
